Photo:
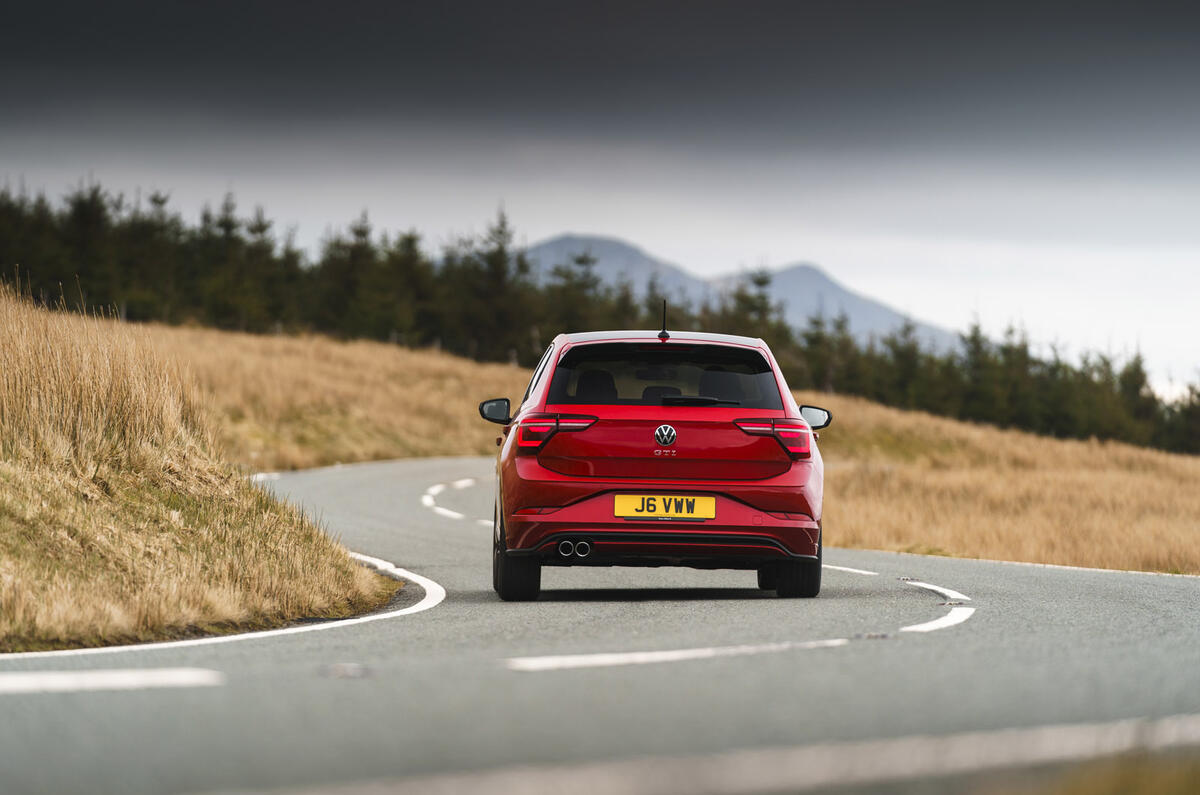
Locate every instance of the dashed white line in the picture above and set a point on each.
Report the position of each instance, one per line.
(946, 592)
(27, 682)
(434, 594)
(427, 499)
(852, 571)
(957, 615)
(609, 659)
(484, 522)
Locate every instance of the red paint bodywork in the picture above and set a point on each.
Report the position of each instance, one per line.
(768, 506)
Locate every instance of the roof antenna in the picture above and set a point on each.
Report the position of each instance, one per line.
(663, 335)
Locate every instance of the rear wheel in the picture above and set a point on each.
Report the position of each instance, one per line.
(515, 578)
(799, 578)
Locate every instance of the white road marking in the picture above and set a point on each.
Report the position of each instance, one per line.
(427, 500)
(606, 660)
(465, 483)
(808, 767)
(260, 477)
(946, 592)
(434, 594)
(133, 679)
(847, 568)
(435, 489)
(957, 615)
(446, 512)
(484, 522)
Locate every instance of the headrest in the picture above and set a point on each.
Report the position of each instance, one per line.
(596, 386)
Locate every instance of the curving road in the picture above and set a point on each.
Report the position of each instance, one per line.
(618, 680)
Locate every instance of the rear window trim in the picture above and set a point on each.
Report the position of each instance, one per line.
(680, 345)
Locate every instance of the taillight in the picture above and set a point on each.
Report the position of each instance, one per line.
(535, 430)
(793, 435)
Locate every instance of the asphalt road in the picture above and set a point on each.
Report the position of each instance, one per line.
(656, 680)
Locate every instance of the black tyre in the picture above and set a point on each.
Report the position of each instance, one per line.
(516, 578)
(496, 547)
(768, 576)
(800, 578)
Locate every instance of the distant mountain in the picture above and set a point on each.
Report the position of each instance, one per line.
(804, 290)
(618, 261)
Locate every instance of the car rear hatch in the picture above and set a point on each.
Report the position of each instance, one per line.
(663, 410)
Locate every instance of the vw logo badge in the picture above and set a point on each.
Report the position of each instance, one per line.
(664, 435)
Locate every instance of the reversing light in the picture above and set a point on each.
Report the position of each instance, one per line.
(793, 435)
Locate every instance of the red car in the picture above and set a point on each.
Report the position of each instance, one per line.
(644, 448)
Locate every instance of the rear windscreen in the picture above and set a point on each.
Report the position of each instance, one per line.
(640, 374)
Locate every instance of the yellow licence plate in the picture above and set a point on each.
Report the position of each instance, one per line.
(664, 506)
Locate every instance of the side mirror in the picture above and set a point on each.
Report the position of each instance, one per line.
(816, 417)
(495, 410)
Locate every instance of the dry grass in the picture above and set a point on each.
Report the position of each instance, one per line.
(1139, 773)
(897, 480)
(117, 521)
(908, 481)
(294, 402)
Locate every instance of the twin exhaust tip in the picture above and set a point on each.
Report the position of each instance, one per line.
(578, 548)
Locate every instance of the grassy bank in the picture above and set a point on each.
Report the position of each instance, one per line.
(908, 481)
(118, 521)
(897, 480)
(294, 402)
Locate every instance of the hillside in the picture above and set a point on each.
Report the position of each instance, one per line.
(804, 290)
(119, 522)
(897, 480)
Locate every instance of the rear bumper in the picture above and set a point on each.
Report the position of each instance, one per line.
(741, 536)
(709, 550)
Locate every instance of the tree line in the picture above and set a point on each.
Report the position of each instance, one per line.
(482, 298)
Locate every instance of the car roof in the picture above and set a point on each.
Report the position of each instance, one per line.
(676, 336)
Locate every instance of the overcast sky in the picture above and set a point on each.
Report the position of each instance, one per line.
(1032, 164)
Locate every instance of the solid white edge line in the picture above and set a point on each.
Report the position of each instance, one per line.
(946, 592)
(808, 767)
(957, 615)
(28, 682)
(446, 512)
(434, 594)
(1046, 565)
(611, 659)
(847, 568)
(464, 483)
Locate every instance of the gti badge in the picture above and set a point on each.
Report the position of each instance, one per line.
(664, 435)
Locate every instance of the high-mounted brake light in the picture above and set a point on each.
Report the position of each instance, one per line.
(536, 429)
(793, 435)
